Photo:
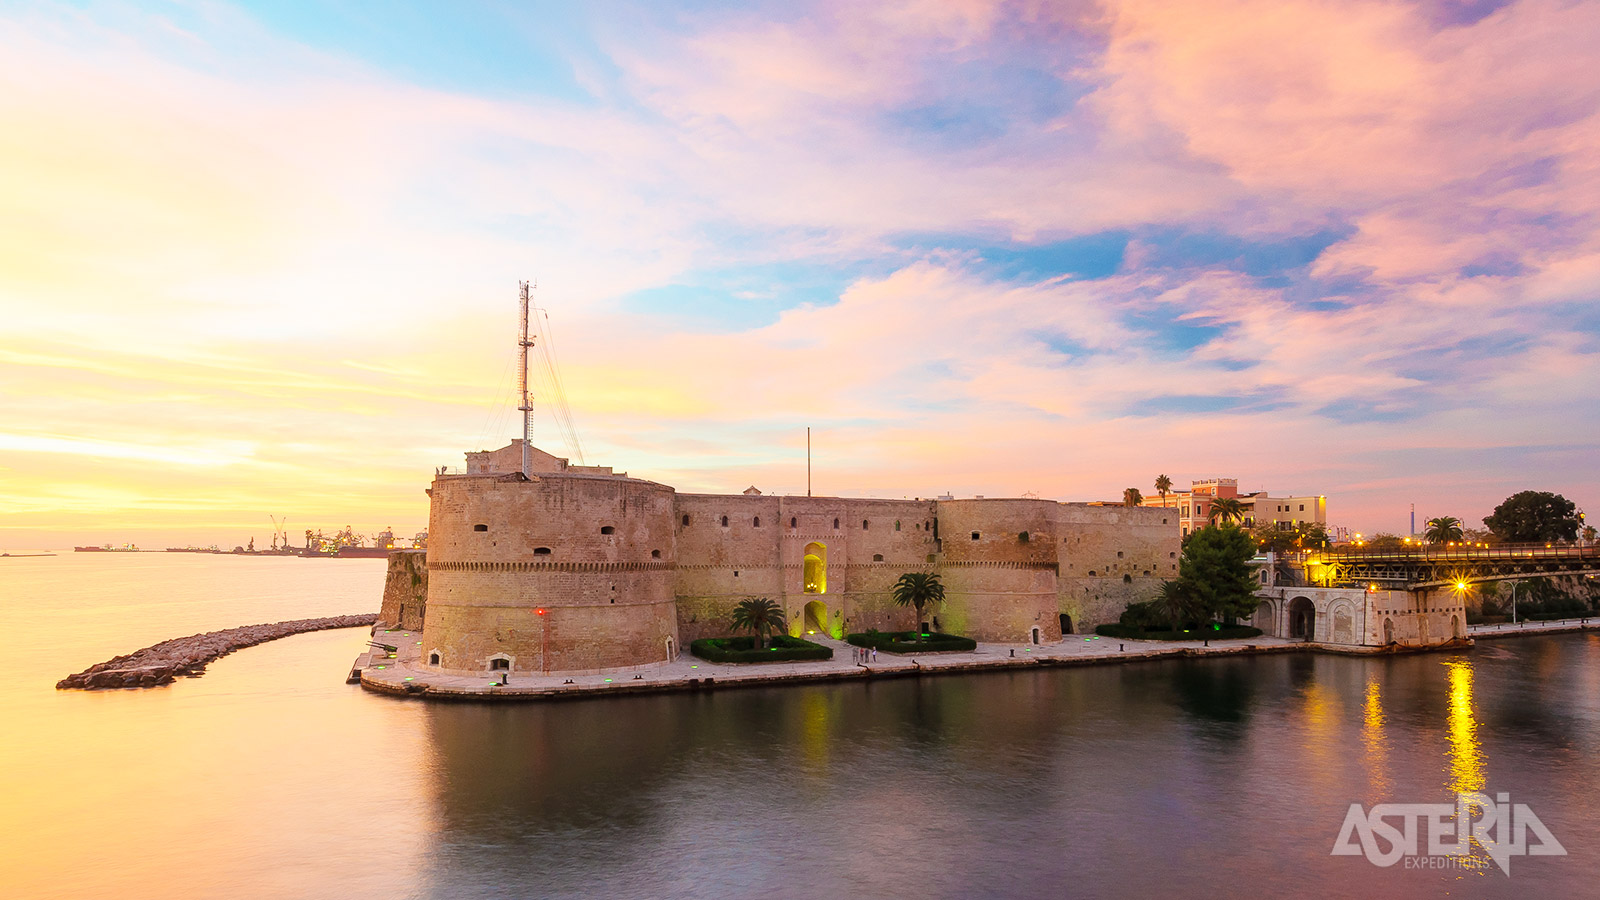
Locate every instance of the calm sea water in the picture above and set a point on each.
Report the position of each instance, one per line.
(269, 777)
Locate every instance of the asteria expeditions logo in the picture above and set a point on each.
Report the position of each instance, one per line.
(1497, 826)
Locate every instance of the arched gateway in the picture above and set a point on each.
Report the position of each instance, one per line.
(1302, 619)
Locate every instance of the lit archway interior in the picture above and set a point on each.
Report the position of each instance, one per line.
(816, 617)
(816, 568)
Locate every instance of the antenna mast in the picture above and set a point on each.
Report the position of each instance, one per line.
(522, 385)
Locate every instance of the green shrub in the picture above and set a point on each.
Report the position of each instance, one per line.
(743, 650)
(904, 642)
(1142, 614)
(1212, 632)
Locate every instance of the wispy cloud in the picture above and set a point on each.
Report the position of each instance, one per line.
(985, 246)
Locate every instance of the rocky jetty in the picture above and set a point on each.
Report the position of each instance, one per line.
(160, 663)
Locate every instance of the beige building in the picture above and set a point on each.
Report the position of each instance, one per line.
(1357, 616)
(579, 569)
(1194, 505)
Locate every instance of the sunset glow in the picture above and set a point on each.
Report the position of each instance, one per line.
(263, 258)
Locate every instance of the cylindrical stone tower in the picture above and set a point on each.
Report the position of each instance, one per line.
(560, 573)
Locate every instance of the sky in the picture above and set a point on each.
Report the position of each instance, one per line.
(262, 259)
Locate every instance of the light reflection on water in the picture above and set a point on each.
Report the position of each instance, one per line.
(1375, 744)
(1466, 755)
(1200, 778)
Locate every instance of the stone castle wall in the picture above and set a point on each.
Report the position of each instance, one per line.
(731, 548)
(1112, 556)
(405, 590)
(628, 571)
(594, 554)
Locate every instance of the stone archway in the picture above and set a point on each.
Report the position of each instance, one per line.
(815, 620)
(1263, 618)
(814, 578)
(1388, 632)
(1341, 622)
(1302, 619)
(1066, 624)
(1456, 631)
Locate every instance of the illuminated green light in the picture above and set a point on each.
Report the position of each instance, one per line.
(694, 666)
(608, 681)
(383, 667)
(408, 679)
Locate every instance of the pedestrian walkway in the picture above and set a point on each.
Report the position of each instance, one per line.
(404, 672)
(1549, 626)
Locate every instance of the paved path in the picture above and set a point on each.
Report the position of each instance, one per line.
(1553, 626)
(404, 672)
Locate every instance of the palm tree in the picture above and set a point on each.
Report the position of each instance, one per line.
(1175, 602)
(760, 615)
(1443, 529)
(1132, 497)
(1163, 487)
(1227, 509)
(918, 589)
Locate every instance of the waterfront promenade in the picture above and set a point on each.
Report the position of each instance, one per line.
(403, 672)
(1554, 626)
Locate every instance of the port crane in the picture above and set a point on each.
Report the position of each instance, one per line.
(278, 530)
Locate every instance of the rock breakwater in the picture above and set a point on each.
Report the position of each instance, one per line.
(160, 663)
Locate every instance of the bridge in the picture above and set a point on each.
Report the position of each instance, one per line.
(1433, 566)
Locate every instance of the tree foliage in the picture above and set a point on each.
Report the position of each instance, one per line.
(1176, 604)
(1215, 572)
(918, 589)
(1131, 497)
(1443, 529)
(1227, 509)
(1285, 538)
(759, 615)
(1385, 541)
(1534, 516)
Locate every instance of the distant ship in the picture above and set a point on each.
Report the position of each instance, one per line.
(125, 548)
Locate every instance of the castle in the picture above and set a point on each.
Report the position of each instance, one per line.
(583, 569)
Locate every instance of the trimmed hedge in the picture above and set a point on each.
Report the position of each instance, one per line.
(1206, 633)
(743, 650)
(902, 641)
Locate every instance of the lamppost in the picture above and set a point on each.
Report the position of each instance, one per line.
(1514, 601)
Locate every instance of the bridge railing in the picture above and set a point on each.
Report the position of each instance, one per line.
(1465, 554)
